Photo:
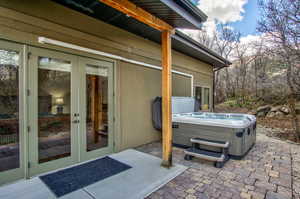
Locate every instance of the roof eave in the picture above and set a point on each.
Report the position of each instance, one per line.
(191, 8)
(189, 12)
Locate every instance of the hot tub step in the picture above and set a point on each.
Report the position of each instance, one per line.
(204, 154)
(221, 144)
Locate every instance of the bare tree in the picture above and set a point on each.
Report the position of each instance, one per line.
(207, 40)
(227, 41)
(281, 22)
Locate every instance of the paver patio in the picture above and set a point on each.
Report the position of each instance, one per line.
(271, 170)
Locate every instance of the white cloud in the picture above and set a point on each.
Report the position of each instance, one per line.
(252, 43)
(219, 11)
(210, 27)
(247, 44)
(250, 39)
(223, 11)
(265, 39)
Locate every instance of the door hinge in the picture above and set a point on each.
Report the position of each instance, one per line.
(28, 55)
(28, 129)
(28, 165)
(28, 92)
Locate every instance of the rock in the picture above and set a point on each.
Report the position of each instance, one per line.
(263, 110)
(275, 108)
(279, 114)
(297, 107)
(261, 114)
(271, 114)
(286, 110)
(252, 112)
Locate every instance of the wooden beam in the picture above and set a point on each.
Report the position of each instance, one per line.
(139, 14)
(166, 99)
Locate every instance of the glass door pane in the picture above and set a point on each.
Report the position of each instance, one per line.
(9, 110)
(54, 106)
(12, 91)
(198, 95)
(97, 129)
(206, 99)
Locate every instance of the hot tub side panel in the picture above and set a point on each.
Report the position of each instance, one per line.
(238, 140)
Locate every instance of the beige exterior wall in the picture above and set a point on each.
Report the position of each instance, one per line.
(136, 86)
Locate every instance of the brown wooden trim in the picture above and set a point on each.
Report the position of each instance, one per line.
(95, 106)
(166, 99)
(139, 14)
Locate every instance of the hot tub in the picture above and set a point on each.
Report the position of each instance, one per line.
(238, 129)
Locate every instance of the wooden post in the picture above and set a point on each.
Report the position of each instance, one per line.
(166, 99)
(130, 9)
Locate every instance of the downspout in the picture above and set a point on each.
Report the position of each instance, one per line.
(213, 92)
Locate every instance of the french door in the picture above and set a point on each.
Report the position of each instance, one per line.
(56, 109)
(12, 101)
(69, 109)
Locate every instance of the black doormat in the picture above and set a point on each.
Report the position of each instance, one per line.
(71, 179)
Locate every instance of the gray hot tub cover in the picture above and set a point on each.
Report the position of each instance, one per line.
(179, 105)
(156, 113)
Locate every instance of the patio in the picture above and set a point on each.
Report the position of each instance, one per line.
(270, 171)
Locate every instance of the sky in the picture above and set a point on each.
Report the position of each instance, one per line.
(241, 15)
(247, 26)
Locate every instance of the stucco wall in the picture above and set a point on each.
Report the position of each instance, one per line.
(24, 21)
(139, 86)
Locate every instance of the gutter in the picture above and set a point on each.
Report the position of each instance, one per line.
(183, 38)
(208, 51)
(219, 68)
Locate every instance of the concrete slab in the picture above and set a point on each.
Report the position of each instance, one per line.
(145, 176)
(35, 189)
(26, 189)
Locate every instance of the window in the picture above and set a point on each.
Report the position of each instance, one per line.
(205, 105)
(202, 94)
